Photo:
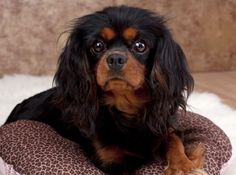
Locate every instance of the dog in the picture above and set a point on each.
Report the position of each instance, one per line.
(121, 80)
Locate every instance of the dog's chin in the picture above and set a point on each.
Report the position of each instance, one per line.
(119, 84)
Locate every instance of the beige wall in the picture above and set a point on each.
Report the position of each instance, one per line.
(29, 29)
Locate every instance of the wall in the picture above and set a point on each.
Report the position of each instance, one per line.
(29, 31)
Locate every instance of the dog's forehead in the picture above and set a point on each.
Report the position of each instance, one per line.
(128, 33)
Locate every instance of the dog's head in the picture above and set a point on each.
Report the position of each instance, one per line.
(122, 49)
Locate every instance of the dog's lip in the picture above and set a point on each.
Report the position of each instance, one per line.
(115, 78)
(118, 79)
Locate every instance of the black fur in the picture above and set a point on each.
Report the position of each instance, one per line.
(73, 107)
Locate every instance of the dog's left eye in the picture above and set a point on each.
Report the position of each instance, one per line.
(139, 46)
(98, 46)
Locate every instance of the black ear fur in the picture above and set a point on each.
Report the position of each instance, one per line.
(171, 82)
(76, 85)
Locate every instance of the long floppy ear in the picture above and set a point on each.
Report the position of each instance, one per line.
(76, 86)
(170, 81)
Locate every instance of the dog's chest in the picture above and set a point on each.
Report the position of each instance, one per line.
(126, 101)
(117, 142)
(113, 154)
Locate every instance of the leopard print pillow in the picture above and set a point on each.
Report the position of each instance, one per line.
(35, 148)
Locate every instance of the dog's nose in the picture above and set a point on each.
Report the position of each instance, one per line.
(116, 61)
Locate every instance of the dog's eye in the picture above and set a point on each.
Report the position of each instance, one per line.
(140, 46)
(98, 46)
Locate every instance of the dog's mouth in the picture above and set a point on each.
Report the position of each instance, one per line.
(118, 83)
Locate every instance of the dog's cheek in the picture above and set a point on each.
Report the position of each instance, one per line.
(101, 72)
(134, 72)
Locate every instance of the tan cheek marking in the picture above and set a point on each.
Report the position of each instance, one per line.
(134, 72)
(130, 33)
(101, 71)
(107, 33)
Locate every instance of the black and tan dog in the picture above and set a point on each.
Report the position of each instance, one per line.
(120, 81)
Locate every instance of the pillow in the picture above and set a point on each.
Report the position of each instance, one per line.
(33, 147)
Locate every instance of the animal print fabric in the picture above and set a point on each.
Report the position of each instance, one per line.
(35, 148)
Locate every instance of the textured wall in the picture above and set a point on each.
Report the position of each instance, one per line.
(29, 30)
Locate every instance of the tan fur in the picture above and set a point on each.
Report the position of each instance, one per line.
(111, 154)
(196, 155)
(134, 72)
(130, 33)
(123, 97)
(178, 162)
(102, 71)
(108, 33)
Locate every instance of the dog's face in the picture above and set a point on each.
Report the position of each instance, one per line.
(121, 58)
(117, 49)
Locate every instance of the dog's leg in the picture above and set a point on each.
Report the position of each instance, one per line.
(179, 163)
(196, 155)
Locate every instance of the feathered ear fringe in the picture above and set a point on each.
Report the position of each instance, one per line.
(170, 81)
(76, 84)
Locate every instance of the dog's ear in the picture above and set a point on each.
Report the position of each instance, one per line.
(170, 80)
(75, 81)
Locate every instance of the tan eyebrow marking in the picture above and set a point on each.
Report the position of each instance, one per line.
(107, 33)
(130, 33)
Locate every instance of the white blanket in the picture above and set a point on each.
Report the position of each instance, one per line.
(6, 169)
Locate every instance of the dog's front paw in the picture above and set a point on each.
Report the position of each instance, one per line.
(173, 172)
(197, 172)
(183, 167)
(179, 168)
(169, 171)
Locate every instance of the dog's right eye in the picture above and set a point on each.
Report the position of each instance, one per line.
(98, 46)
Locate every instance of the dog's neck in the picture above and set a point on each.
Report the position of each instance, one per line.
(126, 99)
